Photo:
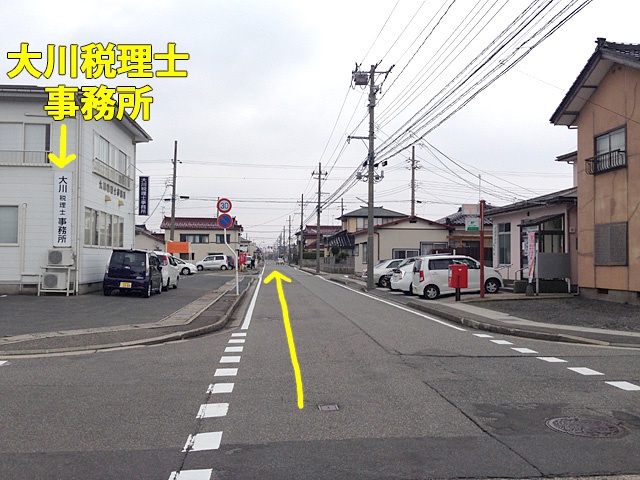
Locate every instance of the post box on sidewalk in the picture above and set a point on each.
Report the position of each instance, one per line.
(458, 278)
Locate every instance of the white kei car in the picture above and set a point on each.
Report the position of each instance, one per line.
(402, 277)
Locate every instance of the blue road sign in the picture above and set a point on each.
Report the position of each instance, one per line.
(225, 220)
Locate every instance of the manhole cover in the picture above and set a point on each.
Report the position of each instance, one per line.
(586, 427)
(332, 407)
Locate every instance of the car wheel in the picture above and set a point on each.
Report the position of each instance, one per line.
(383, 282)
(491, 286)
(106, 291)
(200, 268)
(223, 267)
(166, 287)
(185, 271)
(147, 293)
(431, 292)
(175, 285)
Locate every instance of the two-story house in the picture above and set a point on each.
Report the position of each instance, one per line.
(602, 104)
(59, 225)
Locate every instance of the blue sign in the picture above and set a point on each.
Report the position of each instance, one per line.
(225, 220)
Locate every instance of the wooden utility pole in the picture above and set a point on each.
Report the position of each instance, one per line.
(413, 181)
(301, 250)
(320, 175)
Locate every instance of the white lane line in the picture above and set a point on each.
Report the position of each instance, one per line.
(399, 307)
(236, 340)
(204, 474)
(233, 349)
(524, 350)
(226, 372)
(230, 359)
(630, 387)
(252, 305)
(501, 342)
(584, 371)
(220, 388)
(241, 334)
(482, 335)
(203, 441)
(210, 410)
(552, 359)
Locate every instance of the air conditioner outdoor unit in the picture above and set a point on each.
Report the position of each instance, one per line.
(61, 257)
(54, 281)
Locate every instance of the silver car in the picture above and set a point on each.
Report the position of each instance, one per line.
(382, 271)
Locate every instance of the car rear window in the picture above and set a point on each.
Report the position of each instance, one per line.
(440, 264)
(416, 265)
(134, 261)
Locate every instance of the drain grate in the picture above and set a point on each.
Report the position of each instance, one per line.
(586, 427)
(331, 407)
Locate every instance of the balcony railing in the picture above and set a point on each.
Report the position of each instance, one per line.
(110, 173)
(24, 157)
(606, 161)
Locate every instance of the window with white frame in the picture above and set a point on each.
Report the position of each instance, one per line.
(108, 154)
(504, 243)
(24, 143)
(404, 253)
(102, 229)
(9, 223)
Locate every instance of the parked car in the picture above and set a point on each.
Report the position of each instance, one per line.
(431, 275)
(402, 277)
(186, 268)
(217, 261)
(133, 271)
(280, 261)
(170, 270)
(382, 271)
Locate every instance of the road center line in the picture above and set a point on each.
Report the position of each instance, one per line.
(220, 388)
(584, 371)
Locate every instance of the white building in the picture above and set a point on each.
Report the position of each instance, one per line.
(67, 218)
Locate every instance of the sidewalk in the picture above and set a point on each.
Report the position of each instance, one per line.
(554, 317)
(206, 314)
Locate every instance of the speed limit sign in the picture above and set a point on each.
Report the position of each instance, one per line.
(224, 205)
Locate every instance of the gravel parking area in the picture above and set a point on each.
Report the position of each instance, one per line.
(571, 311)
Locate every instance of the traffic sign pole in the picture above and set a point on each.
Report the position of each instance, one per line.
(225, 221)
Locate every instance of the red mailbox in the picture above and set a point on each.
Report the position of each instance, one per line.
(458, 276)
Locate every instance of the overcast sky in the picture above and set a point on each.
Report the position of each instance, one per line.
(268, 96)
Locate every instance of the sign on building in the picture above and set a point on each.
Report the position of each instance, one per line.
(62, 207)
(472, 224)
(143, 196)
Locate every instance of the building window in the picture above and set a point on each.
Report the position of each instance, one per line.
(24, 143)
(102, 229)
(504, 243)
(427, 248)
(356, 250)
(9, 222)
(610, 150)
(364, 252)
(220, 238)
(404, 253)
(194, 238)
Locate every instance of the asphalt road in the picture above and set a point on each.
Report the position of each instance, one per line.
(416, 398)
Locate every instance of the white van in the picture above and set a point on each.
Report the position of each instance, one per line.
(431, 275)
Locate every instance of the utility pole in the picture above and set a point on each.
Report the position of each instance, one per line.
(320, 174)
(289, 242)
(413, 181)
(173, 189)
(301, 251)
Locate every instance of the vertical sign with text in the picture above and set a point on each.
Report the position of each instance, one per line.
(62, 208)
(143, 196)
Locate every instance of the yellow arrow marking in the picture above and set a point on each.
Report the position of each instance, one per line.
(63, 159)
(287, 327)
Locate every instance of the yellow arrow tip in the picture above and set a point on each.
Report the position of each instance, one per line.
(277, 276)
(61, 162)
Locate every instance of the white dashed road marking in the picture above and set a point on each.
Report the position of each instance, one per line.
(482, 335)
(552, 359)
(203, 441)
(584, 371)
(625, 386)
(210, 410)
(524, 350)
(3, 362)
(239, 334)
(230, 359)
(501, 342)
(220, 388)
(236, 340)
(204, 474)
(226, 372)
(233, 350)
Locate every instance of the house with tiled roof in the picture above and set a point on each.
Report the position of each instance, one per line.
(204, 235)
(602, 104)
(147, 240)
(465, 232)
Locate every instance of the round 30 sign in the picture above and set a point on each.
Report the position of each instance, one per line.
(224, 205)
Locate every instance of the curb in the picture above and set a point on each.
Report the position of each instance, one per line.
(217, 325)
